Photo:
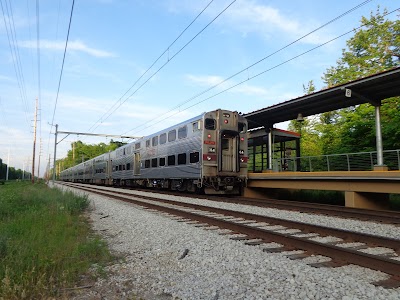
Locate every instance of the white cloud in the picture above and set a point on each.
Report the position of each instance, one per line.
(72, 46)
(251, 16)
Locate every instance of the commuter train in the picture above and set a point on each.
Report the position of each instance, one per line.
(206, 153)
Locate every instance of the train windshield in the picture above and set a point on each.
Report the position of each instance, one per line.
(242, 128)
(209, 124)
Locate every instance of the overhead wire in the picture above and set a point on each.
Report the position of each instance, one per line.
(148, 69)
(16, 60)
(169, 60)
(61, 72)
(248, 79)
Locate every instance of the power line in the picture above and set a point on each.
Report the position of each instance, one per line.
(170, 59)
(16, 60)
(62, 66)
(144, 73)
(61, 72)
(252, 77)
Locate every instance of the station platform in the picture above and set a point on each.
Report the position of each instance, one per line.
(363, 189)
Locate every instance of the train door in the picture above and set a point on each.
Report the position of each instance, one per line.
(229, 151)
(136, 170)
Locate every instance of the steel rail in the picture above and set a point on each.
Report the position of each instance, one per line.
(339, 255)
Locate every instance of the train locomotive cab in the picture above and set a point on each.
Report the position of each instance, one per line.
(224, 166)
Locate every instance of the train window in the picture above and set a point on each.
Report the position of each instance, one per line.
(154, 141)
(147, 143)
(128, 166)
(194, 157)
(182, 159)
(137, 146)
(171, 160)
(172, 135)
(242, 127)
(225, 143)
(182, 132)
(162, 161)
(154, 163)
(163, 138)
(209, 124)
(147, 163)
(196, 126)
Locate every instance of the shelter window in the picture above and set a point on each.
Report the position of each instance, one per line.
(171, 160)
(137, 146)
(163, 138)
(182, 159)
(209, 124)
(172, 135)
(182, 132)
(116, 168)
(154, 141)
(194, 157)
(128, 166)
(147, 143)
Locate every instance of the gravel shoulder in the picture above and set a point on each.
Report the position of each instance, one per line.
(165, 259)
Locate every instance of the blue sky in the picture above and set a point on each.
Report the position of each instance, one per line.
(113, 42)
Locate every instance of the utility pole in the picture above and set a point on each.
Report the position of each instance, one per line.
(23, 171)
(8, 163)
(40, 153)
(55, 150)
(34, 142)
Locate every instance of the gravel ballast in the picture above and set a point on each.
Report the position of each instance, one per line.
(166, 259)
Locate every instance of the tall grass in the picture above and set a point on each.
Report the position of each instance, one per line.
(45, 241)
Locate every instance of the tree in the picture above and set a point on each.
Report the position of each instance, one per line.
(82, 152)
(373, 48)
(310, 144)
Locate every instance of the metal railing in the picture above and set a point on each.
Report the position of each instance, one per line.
(362, 161)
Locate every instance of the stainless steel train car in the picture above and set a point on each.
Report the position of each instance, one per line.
(206, 153)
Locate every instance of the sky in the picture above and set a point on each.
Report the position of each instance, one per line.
(129, 70)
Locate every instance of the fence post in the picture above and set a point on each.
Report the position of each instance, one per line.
(327, 161)
(398, 159)
(372, 160)
(348, 162)
(309, 162)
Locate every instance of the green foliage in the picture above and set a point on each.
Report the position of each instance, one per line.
(45, 243)
(82, 152)
(12, 172)
(374, 48)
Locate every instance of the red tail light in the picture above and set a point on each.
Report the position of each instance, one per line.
(209, 157)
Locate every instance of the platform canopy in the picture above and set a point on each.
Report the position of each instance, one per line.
(372, 89)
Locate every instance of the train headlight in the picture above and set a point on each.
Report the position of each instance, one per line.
(242, 160)
(226, 121)
(211, 150)
(241, 152)
(208, 158)
(242, 139)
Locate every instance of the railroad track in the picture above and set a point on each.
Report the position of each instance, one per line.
(379, 216)
(258, 230)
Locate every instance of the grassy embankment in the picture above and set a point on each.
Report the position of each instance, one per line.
(45, 241)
